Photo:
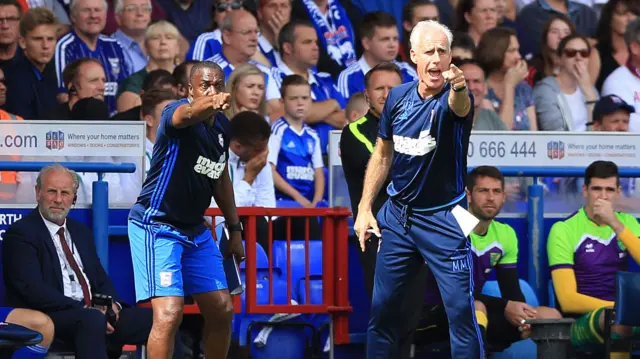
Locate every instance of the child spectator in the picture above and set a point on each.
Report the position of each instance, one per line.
(294, 148)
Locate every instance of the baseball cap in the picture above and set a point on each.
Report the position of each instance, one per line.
(610, 104)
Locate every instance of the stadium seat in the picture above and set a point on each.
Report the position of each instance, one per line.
(291, 339)
(287, 203)
(298, 259)
(491, 288)
(552, 295)
(624, 311)
(262, 261)
(315, 291)
(14, 336)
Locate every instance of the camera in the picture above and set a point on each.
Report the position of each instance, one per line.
(102, 301)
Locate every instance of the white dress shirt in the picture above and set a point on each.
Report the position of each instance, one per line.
(70, 283)
(259, 194)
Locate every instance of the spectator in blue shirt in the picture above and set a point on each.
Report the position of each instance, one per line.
(379, 37)
(32, 80)
(272, 16)
(240, 43)
(294, 148)
(133, 18)
(84, 40)
(299, 49)
(209, 43)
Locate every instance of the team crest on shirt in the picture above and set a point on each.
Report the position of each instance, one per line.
(310, 146)
(115, 65)
(494, 258)
(221, 140)
(406, 108)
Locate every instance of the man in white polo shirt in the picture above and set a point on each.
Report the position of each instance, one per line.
(624, 82)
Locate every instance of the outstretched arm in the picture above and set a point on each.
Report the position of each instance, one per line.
(459, 100)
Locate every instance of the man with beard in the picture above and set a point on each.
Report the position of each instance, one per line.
(55, 269)
(494, 245)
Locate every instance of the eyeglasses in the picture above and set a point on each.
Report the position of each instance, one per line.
(571, 53)
(225, 6)
(145, 9)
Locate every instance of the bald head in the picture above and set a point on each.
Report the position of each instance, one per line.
(239, 35)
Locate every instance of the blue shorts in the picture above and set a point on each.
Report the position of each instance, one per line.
(168, 263)
(4, 313)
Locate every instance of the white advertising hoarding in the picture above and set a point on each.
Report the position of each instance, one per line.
(72, 138)
(539, 149)
(76, 141)
(552, 149)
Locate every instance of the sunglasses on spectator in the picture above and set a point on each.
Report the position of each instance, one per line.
(225, 6)
(571, 53)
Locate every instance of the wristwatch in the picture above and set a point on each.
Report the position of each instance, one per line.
(237, 227)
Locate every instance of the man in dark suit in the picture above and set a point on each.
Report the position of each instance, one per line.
(50, 264)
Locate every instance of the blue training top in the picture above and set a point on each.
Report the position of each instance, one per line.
(430, 143)
(184, 166)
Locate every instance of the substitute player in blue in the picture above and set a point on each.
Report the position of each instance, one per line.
(173, 252)
(423, 138)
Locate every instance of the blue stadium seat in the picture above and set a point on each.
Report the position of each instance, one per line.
(315, 291)
(298, 259)
(289, 340)
(262, 264)
(552, 295)
(287, 203)
(524, 349)
(491, 288)
(262, 261)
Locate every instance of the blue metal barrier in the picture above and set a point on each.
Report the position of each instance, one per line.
(100, 205)
(535, 216)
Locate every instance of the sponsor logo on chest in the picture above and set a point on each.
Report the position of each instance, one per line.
(210, 168)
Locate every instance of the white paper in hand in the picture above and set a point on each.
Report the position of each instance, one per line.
(466, 220)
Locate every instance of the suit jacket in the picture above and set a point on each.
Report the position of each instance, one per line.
(31, 268)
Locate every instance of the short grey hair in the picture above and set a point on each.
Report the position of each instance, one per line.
(58, 168)
(74, 3)
(120, 6)
(422, 27)
(227, 22)
(632, 33)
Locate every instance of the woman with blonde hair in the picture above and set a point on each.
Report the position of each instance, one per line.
(161, 42)
(247, 88)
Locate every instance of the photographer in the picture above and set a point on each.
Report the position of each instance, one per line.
(50, 264)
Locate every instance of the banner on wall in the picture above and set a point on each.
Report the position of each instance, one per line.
(539, 149)
(552, 149)
(9, 217)
(72, 138)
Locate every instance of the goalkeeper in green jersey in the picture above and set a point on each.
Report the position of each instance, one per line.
(587, 249)
(494, 245)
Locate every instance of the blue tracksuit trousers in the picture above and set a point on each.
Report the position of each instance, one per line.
(409, 239)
